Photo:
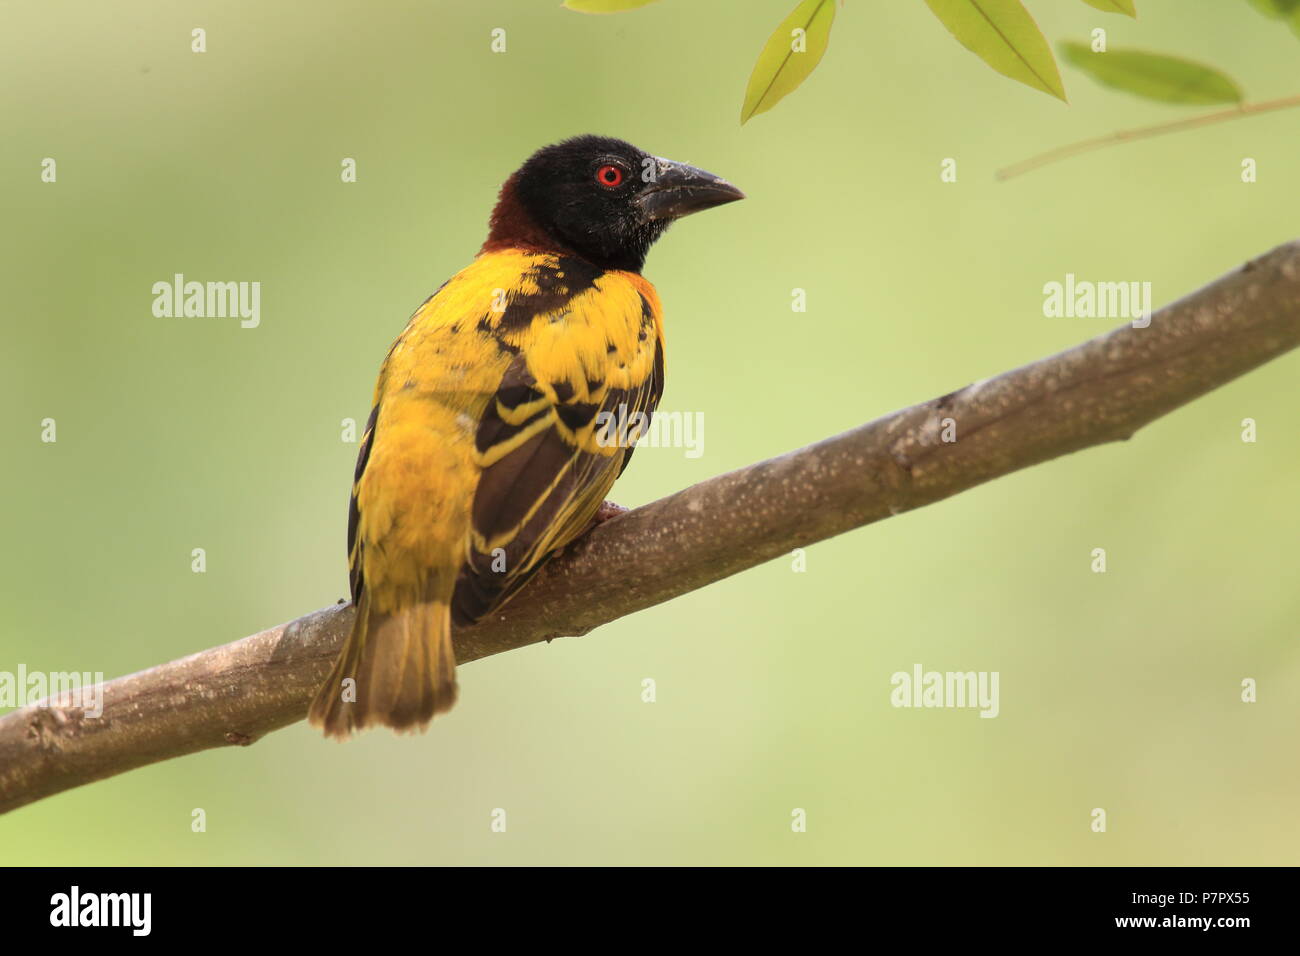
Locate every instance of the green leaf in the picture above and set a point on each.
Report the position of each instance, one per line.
(788, 57)
(1285, 10)
(1005, 36)
(605, 6)
(1169, 79)
(1116, 6)
(1277, 9)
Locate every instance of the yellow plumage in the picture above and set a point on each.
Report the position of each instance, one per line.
(485, 454)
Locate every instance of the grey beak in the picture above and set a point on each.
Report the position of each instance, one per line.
(678, 190)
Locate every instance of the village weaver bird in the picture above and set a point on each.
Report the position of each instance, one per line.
(495, 429)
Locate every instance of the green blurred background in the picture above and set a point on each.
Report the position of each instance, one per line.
(1118, 691)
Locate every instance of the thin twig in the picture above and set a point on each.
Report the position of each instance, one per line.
(1143, 132)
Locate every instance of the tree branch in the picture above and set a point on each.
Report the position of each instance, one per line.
(1100, 391)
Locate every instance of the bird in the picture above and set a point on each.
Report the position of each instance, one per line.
(499, 418)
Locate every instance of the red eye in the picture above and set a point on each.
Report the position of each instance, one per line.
(609, 176)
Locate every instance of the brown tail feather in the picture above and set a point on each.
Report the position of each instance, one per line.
(403, 666)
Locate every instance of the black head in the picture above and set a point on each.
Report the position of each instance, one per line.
(600, 198)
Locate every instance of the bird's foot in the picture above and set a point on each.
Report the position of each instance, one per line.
(607, 510)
